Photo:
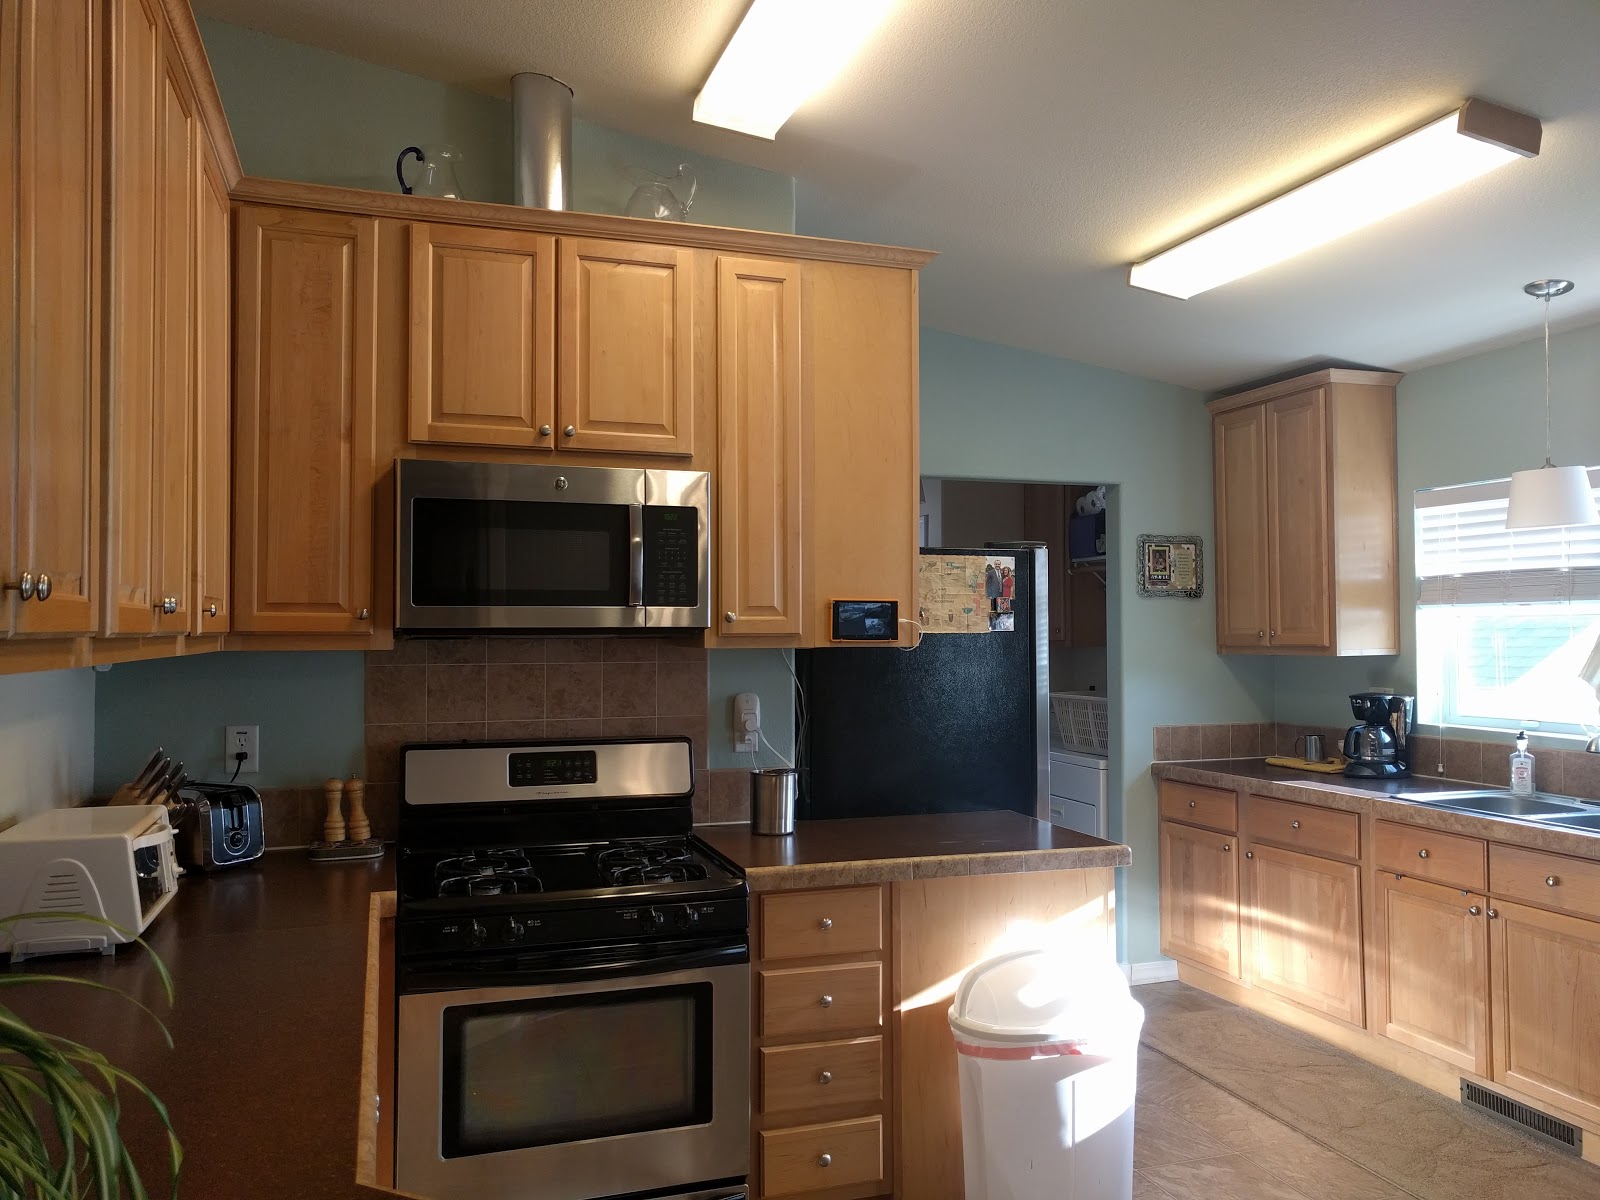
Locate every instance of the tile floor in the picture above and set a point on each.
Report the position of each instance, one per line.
(1233, 1106)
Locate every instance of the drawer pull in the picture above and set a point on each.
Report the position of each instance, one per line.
(824, 1160)
(1294, 824)
(1474, 910)
(825, 1078)
(1423, 853)
(825, 924)
(1191, 804)
(1551, 881)
(826, 1002)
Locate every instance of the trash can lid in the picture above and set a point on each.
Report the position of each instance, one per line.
(1044, 997)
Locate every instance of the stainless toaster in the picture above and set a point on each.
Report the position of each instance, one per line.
(219, 825)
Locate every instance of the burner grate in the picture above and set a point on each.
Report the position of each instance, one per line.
(486, 873)
(627, 864)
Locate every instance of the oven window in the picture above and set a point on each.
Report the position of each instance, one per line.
(518, 553)
(569, 1068)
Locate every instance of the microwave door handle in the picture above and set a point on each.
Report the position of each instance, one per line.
(635, 556)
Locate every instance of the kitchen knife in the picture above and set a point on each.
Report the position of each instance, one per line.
(158, 763)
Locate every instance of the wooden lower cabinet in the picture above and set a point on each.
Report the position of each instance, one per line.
(819, 1158)
(1430, 978)
(1545, 978)
(1200, 897)
(1302, 930)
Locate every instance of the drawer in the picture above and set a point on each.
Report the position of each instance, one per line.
(821, 1000)
(1547, 880)
(814, 1158)
(1429, 854)
(1196, 805)
(830, 921)
(1324, 831)
(821, 1074)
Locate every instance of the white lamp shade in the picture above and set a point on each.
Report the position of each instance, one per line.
(1550, 495)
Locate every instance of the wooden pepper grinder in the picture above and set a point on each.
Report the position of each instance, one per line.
(333, 824)
(360, 827)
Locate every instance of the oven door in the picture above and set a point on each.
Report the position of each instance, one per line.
(624, 1075)
(506, 546)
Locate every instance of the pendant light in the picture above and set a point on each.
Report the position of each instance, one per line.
(1550, 495)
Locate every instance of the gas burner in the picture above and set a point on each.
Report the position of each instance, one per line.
(486, 873)
(625, 864)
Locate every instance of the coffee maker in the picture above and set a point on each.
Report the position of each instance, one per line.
(1380, 747)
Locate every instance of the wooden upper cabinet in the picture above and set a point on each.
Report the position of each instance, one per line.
(1302, 935)
(759, 417)
(1199, 897)
(1430, 969)
(483, 326)
(304, 456)
(1306, 516)
(50, 55)
(1239, 447)
(133, 449)
(212, 463)
(626, 348)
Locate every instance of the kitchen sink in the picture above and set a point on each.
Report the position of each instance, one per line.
(1497, 802)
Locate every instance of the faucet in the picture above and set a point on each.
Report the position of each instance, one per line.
(1594, 745)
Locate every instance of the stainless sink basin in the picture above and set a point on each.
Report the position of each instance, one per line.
(1496, 802)
(1586, 821)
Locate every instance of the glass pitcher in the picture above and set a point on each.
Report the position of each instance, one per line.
(661, 197)
(437, 174)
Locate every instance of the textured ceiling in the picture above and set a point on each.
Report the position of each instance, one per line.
(1042, 145)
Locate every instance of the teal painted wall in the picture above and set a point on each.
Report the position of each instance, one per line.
(298, 112)
(46, 742)
(310, 707)
(989, 412)
(1460, 422)
(767, 674)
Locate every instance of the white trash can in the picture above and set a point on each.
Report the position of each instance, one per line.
(1049, 1055)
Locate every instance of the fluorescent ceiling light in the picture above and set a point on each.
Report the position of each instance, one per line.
(783, 52)
(1472, 141)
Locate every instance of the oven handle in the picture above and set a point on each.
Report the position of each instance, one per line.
(635, 556)
(576, 967)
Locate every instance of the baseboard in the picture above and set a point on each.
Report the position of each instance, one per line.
(1163, 970)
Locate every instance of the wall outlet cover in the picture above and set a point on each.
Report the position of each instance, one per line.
(245, 739)
(746, 723)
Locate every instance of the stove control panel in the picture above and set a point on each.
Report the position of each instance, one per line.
(577, 925)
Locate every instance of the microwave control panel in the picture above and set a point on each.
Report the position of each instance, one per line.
(671, 557)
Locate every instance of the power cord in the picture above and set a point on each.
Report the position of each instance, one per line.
(238, 764)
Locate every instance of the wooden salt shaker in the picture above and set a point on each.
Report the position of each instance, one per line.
(333, 825)
(360, 827)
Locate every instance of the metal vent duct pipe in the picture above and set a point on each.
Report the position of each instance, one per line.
(541, 110)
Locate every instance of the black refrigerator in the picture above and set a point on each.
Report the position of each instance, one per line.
(958, 724)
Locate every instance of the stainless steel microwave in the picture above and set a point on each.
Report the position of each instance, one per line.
(499, 546)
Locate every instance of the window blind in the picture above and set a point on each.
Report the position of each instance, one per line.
(1466, 555)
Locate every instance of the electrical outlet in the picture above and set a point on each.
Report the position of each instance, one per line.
(246, 740)
(746, 723)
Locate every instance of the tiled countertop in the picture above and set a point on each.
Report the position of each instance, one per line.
(890, 849)
(1377, 796)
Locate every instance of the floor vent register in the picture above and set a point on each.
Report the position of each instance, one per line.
(1552, 1131)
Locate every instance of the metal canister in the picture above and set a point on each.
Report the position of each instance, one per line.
(772, 799)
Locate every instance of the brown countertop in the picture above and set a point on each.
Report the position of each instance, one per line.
(268, 962)
(889, 849)
(1379, 797)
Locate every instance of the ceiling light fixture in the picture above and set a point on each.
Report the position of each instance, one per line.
(1443, 154)
(1550, 495)
(783, 52)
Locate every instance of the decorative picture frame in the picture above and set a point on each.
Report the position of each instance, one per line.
(1171, 564)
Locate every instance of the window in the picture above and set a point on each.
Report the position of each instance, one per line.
(1506, 619)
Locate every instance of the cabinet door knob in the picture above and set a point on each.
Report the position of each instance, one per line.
(1191, 804)
(825, 1078)
(1247, 853)
(1474, 910)
(23, 587)
(1423, 853)
(41, 590)
(825, 924)
(211, 610)
(1261, 633)
(826, 1002)
(363, 614)
(1294, 824)
(728, 617)
(1551, 881)
(545, 431)
(1493, 913)
(1225, 846)
(168, 605)
(824, 1160)
(569, 431)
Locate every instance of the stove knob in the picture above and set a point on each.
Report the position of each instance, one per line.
(515, 929)
(657, 918)
(479, 934)
(686, 918)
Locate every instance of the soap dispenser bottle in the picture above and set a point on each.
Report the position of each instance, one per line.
(1521, 768)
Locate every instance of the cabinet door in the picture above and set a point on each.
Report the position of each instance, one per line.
(1303, 930)
(175, 361)
(303, 435)
(483, 329)
(1239, 448)
(626, 348)
(212, 471)
(1544, 977)
(1044, 519)
(1200, 897)
(758, 413)
(1298, 504)
(52, 152)
(1431, 969)
(134, 416)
